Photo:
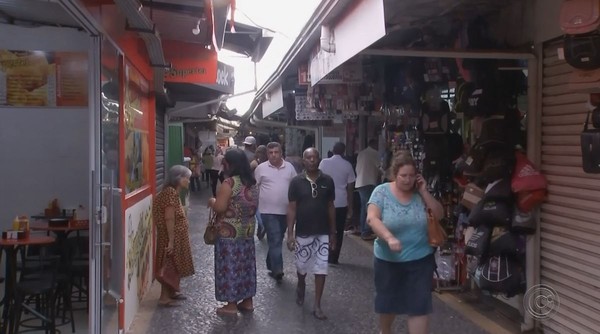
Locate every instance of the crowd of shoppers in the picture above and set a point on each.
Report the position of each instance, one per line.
(261, 190)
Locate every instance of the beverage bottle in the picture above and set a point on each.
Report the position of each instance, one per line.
(16, 224)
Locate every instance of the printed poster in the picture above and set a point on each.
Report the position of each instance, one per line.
(43, 79)
(139, 261)
(137, 125)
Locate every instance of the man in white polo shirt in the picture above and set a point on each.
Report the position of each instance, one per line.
(273, 178)
(342, 173)
(368, 176)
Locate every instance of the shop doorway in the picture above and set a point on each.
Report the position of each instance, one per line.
(108, 233)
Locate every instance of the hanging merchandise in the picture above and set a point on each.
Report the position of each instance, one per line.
(500, 274)
(590, 148)
(436, 113)
(499, 190)
(446, 265)
(503, 242)
(580, 20)
(471, 196)
(526, 176)
(523, 222)
(492, 213)
(478, 243)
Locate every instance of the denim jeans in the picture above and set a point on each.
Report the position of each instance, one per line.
(365, 195)
(259, 223)
(275, 226)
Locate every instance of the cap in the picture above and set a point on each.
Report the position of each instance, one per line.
(250, 141)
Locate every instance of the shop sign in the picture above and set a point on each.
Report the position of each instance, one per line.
(225, 78)
(362, 25)
(273, 101)
(43, 79)
(190, 63)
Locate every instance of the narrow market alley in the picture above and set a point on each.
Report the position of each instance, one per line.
(347, 301)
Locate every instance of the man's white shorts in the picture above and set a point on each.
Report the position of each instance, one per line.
(312, 254)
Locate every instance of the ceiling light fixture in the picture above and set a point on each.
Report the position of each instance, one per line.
(196, 30)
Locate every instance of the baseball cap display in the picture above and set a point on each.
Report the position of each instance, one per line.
(250, 141)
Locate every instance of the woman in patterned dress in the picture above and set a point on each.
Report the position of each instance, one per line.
(172, 235)
(235, 258)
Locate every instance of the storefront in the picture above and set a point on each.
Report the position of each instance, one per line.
(85, 89)
(441, 45)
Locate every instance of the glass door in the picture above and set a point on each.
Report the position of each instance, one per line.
(108, 230)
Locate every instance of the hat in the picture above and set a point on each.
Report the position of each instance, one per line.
(250, 141)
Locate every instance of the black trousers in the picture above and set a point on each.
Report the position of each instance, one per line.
(214, 178)
(340, 222)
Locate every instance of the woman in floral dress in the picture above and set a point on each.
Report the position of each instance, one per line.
(172, 235)
(235, 258)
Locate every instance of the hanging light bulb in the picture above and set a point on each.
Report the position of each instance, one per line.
(196, 30)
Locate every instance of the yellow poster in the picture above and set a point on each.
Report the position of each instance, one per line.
(43, 79)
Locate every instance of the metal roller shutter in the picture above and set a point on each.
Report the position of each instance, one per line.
(160, 148)
(570, 218)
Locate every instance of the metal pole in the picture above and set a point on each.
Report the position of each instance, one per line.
(532, 263)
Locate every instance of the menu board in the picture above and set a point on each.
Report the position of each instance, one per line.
(43, 79)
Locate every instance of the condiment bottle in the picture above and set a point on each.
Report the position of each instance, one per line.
(16, 224)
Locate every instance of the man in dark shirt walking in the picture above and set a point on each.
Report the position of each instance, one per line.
(311, 209)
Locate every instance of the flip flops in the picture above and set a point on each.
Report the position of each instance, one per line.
(319, 315)
(244, 309)
(222, 311)
(179, 296)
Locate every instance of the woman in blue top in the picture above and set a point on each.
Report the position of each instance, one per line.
(404, 261)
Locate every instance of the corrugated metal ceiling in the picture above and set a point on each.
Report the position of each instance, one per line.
(35, 11)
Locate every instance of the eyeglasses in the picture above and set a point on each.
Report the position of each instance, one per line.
(314, 189)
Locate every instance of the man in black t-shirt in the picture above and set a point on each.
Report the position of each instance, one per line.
(311, 209)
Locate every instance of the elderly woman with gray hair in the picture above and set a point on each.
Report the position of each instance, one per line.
(172, 235)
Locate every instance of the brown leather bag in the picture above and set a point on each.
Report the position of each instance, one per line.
(437, 235)
(168, 274)
(212, 232)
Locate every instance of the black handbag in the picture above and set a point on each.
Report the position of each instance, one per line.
(590, 148)
(583, 51)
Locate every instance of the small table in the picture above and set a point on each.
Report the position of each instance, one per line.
(60, 231)
(10, 246)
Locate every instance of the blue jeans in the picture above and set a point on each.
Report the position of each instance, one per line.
(259, 223)
(365, 194)
(275, 226)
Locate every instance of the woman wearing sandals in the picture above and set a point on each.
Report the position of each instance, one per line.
(172, 234)
(235, 257)
(404, 260)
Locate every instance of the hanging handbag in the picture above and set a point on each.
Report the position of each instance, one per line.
(212, 232)
(590, 148)
(168, 274)
(436, 234)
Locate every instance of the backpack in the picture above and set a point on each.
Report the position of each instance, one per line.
(580, 20)
(500, 274)
(435, 121)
